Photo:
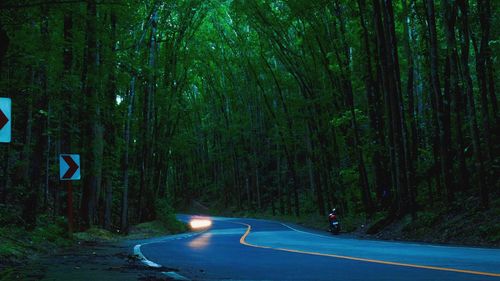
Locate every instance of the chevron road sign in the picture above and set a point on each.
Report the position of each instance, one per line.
(5, 117)
(69, 167)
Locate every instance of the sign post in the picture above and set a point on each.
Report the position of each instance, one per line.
(69, 170)
(70, 207)
(5, 119)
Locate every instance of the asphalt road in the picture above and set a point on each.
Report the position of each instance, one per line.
(248, 249)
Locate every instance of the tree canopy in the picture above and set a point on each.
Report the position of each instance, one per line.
(279, 106)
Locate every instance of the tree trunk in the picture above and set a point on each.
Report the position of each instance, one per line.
(412, 156)
(482, 57)
(90, 158)
(476, 142)
(382, 179)
(145, 206)
(450, 15)
(4, 44)
(440, 101)
(344, 62)
(110, 128)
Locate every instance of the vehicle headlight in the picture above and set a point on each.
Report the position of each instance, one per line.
(200, 223)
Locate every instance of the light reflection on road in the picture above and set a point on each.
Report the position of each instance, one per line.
(201, 242)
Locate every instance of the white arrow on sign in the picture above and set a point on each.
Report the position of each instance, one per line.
(69, 167)
(5, 117)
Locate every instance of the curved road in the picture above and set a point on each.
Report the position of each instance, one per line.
(249, 249)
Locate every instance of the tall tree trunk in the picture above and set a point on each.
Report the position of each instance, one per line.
(450, 15)
(66, 114)
(110, 127)
(382, 179)
(344, 60)
(4, 44)
(145, 206)
(440, 101)
(91, 161)
(40, 106)
(44, 83)
(482, 57)
(476, 141)
(391, 81)
(126, 158)
(413, 138)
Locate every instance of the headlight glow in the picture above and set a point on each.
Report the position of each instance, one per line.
(200, 223)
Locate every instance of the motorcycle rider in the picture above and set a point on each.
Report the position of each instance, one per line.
(333, 215)
(333, 222)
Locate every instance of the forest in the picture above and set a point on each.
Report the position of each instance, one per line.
(379, 108)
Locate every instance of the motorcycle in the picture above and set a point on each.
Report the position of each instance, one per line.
(334, 225)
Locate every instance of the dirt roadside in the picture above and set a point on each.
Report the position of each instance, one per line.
(90, 261)
(94, 255)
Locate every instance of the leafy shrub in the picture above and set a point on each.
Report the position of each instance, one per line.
(53, 231)
(425, 220)
(166, 215)
(10, 215)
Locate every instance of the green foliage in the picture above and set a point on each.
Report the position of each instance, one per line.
(166, 215)
(95, 234)
(494, 233)
(353, 221)
(18, 244)
(52, 231)
(10, 246)
(244, 105)
(345, 119)
(349, 176)
(425, 220)
(308, 203)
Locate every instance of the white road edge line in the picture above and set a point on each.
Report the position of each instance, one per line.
(382, 241)
(324, 236)
(137, 252)
(175, 276)
(171, 274)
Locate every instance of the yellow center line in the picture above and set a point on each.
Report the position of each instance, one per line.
(249, 227)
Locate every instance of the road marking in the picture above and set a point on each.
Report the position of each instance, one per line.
(294, 229)
(175, 276)
(392, 242)
(137, 252)
(249, 227)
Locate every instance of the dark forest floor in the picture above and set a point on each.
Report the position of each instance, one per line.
(90, 260)
(95, 252)
(463, 224)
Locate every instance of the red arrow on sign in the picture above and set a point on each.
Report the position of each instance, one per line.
(3, 119)
(73, 167)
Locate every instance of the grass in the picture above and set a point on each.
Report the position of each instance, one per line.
(18, 245)
(16, 242)
(95, 234)
(140, 231)
(154, 228)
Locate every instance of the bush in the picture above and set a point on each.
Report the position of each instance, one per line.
(166, 215)
(425, 220)
(51, 230)
(10, 215)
